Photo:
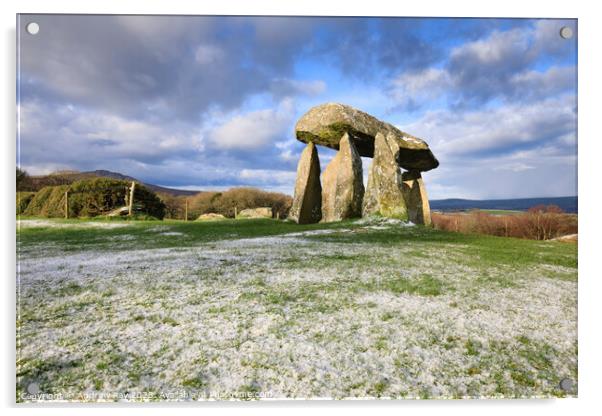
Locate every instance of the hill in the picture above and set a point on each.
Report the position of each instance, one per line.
(67, 177)
(566, 203)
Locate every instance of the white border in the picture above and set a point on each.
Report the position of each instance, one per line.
(590, 153)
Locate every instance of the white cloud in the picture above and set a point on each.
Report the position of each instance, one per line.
(208, 54)
(285, 87)
(268, 176)
(450, 132)
(253, 130)
(500, 66)
(497, 49)
(414, 88)
(514, 167)
(69, 136)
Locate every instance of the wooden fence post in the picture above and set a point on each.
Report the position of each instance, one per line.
(131, 200)
(186, 210)
(235, 212)
(66, 204)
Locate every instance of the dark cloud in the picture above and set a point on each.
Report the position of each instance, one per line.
(165, 67)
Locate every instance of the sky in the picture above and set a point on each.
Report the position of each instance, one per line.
(210, 102)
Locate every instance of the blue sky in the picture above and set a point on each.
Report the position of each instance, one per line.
(211, 102)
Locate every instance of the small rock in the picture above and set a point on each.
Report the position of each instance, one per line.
(263, 212)
(210, 217)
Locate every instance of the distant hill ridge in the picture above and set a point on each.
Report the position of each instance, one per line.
(566, 203)
(68, 176)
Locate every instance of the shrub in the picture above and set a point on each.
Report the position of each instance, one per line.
(226, 202)
(175, 206)
(48, 202)
(23, 182)
(538, 223)
(23, 199)
(92, 197)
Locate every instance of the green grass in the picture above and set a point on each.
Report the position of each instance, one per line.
(476, 249)
(140, 234)
(382, 293)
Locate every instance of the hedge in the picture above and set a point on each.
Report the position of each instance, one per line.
(93, 197)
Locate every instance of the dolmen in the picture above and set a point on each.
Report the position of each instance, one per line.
(395, 186)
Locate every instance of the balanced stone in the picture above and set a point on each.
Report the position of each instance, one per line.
(343, 186)
(384, 194)
(325, 125)
(307, 200)
(414, 191)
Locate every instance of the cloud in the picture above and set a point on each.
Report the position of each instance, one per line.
(252, 130)
(285, 87)
(268, 175)
(208, 55)
(515, 150)
(210, 102)
(69, 135)
(485, 68)
(411, 90)
(499, 130)
(514, 167)
(504, 65)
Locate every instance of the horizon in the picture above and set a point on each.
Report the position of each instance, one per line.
(242, 186)
(211, 102)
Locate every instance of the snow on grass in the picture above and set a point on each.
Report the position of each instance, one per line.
(288, 316)
(376, 221)
(37, 223)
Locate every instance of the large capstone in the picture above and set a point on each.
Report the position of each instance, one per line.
(325, 125)
(307, 201)
(384, 194)
(342, 184)
(414, 191)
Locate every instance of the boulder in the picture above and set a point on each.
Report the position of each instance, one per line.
(325, 125)
(211, 216)
(384, 194)
(414, 192)
(117, 212)
(307, 200)
(264, 212)
(343, 186)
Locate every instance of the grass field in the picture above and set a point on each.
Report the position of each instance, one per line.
(247, 308)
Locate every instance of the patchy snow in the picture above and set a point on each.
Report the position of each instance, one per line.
(31, 223)
(318, 232)
(274, 315)
(380, 221)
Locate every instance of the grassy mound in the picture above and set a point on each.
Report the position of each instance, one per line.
(93, 197)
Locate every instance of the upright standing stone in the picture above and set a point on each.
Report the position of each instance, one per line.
(307, 202)
(343, 186)
(384, 194)
(417, 201)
